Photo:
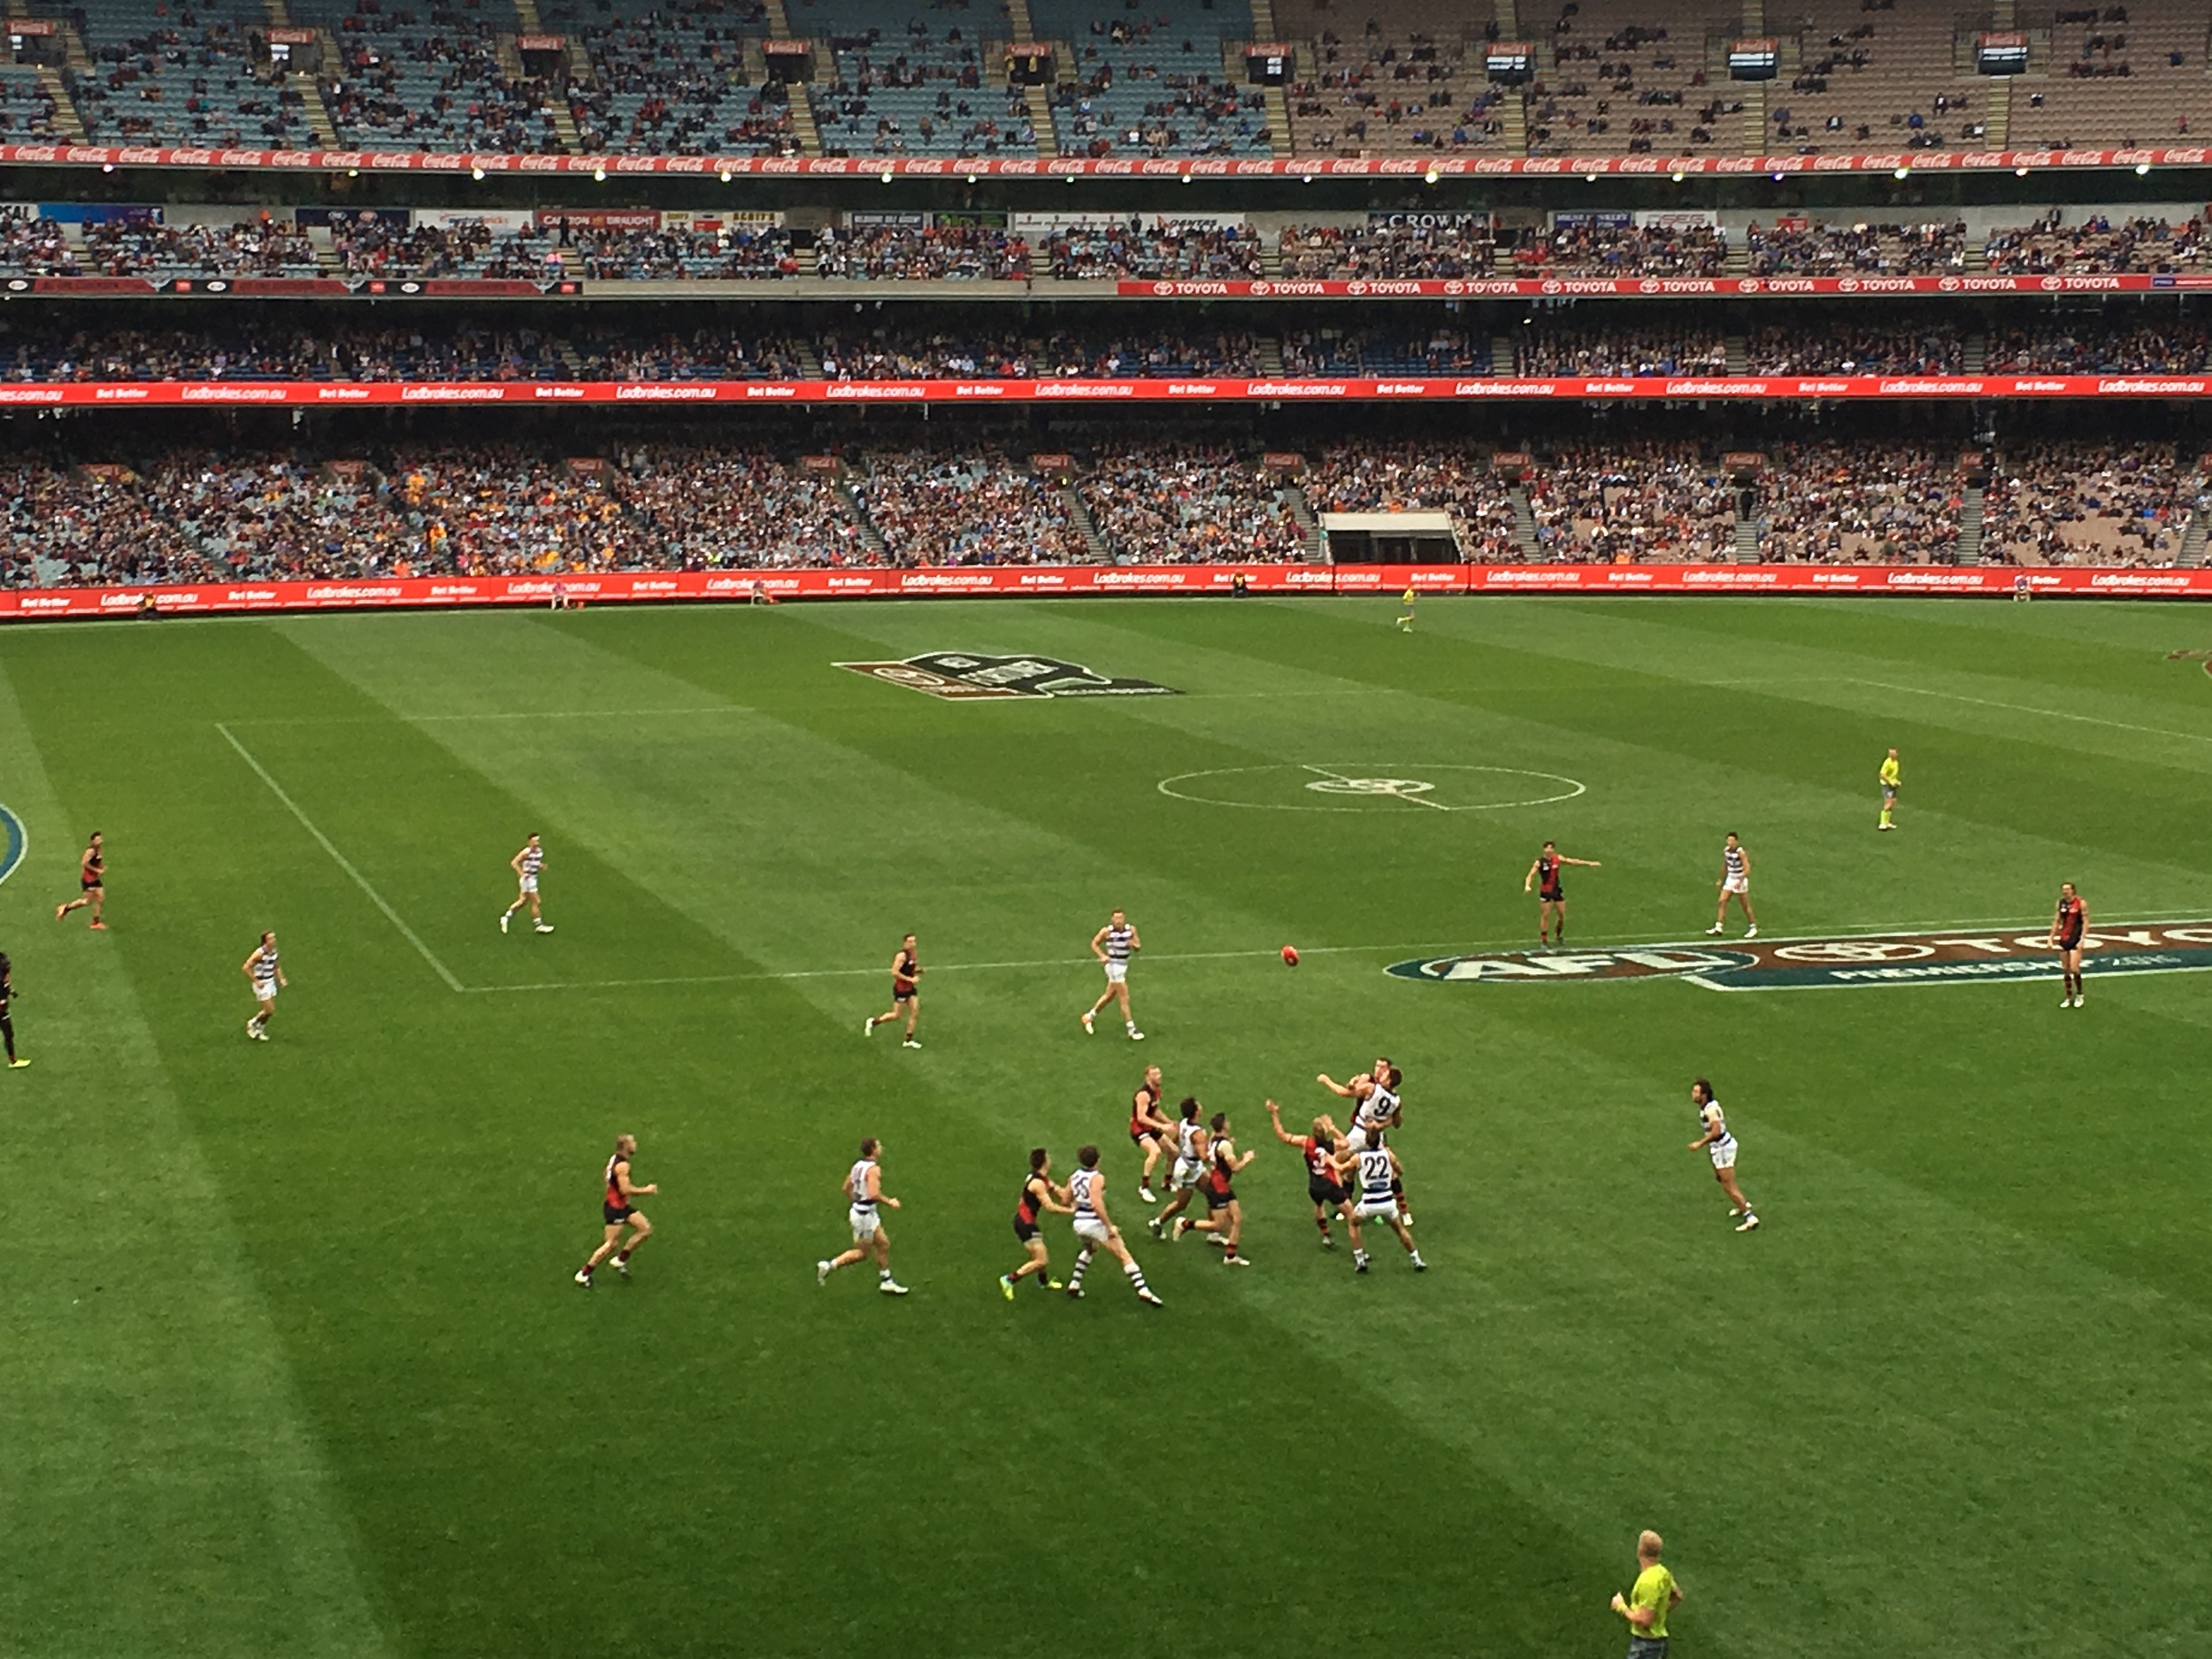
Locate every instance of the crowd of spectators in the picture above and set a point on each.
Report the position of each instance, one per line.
(1398, 96)
(915, 252)
(1189, 505)
(976, 508)
(700, 502)
(1059, 353)
(2057, 349)
(283, 353)
(1843, 503)
(1587, 248)
(1624, 502)
(405, 82)
(186, 78)
(1164, 248)
(1801, 247)
(1456, 479)
(1427, 246)
(2085, 504)
(144, 246)
(2101, 244)
(1857, 348)
(1610, 353)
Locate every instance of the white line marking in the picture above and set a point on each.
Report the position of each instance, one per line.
(1856, 930)
(1396, 794)
(343, 863)
(2049, 714)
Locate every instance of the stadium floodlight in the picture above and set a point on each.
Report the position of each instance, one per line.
(107, 166)
(1185, 178)
(2142, 169)
(2019, 173)
(476, 173)
(1430, 176)
(1306, 178)
(885, 176)
(599, 176)
(725, 175)
(972, 178)
(1589, 178)
(1677, 177)
(1903, 172)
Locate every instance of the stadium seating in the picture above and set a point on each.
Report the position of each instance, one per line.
(164, 75)
(27, 110)
(1152, 78)
(2129, 75)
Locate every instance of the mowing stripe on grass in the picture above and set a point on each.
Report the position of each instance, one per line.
(343, 863)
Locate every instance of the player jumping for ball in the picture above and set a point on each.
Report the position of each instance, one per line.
(906, 994)
(864, 1198)
(1735, 882)
(1551, 893)
(92, 879)
(526, 864)
(617, 1213)
(1112, 945)
(2067, 928)
(1716, 1143)
(1325, 1184)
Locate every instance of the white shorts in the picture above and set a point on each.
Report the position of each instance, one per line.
(1091, 1230)
(1376, 1210)
(1736, 884)
(865, 1223)
(529, 884)
(1116, 973)
(1356, 1140)
(265, 989)
(1723, 1153)
(1184, 1175)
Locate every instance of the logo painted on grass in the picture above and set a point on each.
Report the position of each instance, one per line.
(2203, 657)
(18, 841)
(1955, 956)
(966, 677)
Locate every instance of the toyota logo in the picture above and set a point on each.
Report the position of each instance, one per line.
(1950, 285)
(1855, 950)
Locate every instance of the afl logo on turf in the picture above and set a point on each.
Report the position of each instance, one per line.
(1955, 956)
(19, 841)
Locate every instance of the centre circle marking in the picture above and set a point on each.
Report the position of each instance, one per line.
(1361, 789)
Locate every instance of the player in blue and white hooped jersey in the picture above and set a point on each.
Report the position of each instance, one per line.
(1188, 1169)
(1112, 944)
(1094, 1229)
(1375, 1177)
(1715, 1141)
(265, 973)
(526, 864)
(1734, 883)
(866, 1201)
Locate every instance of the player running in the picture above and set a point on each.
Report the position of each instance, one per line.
(1551, 896)
(1380, 1177)
(1149, 1127)
(906, 994)
(1094, 1229)
(617, 1212)
(1320, 1149)
(1112, 945)
(1735, 882)
(7, 1018)
(92, 876)
(1405, 616)
(1889, 780)
(526, 864)
(265, 973)
(1188, 1168)
(1716, 1142)
(1039, 1198)
(1224, 1215)
(2067, 928)
(863, 1195)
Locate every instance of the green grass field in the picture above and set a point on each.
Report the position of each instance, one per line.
(293, 1362)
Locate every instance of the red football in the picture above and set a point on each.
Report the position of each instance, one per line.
(1290, 956)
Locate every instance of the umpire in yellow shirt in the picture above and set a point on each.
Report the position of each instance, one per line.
(1647, 1605)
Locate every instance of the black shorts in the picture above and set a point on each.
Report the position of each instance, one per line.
(1220, 1200)
(1321, 1192)
(1558, 896)
(1024, 1230)
(900, 993)
(615, 1214)
(2073, 943)
(1140, 1136)
(88, 883)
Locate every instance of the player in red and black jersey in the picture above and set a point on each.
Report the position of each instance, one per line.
(92, 878)
(1551, 895)
(1224, 1215)
(618, 1212)
(2067, 929)
(1321, 1150)
(1040, 1197)
(1148, 1125)
(906, 994)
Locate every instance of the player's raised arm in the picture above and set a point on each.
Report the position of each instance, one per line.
(1342, 1090)
(1275, 1117)
(1585, 864)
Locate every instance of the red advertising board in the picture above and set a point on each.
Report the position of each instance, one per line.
(1906, 162)
(1664, 287)
(375, 394)
(1044, 581)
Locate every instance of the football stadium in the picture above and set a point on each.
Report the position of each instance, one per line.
(1263, 826)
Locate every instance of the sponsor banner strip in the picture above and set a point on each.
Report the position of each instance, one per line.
(1051, 581)
(366, 393)
(1664, 287)
(1904, 162)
